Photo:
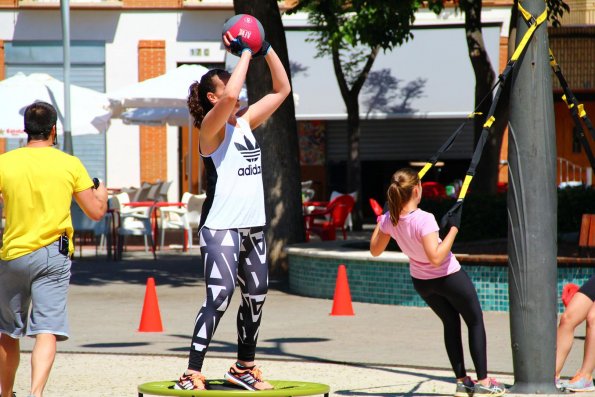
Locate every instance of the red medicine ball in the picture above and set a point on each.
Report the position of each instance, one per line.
(248, 27)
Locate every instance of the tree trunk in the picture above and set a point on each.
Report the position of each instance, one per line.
(350, 96)
(354, 165)
(279, 142)
(532, 214)
(487, 171)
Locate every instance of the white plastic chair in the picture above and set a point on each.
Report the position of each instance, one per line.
(134, 221)
(182, 218)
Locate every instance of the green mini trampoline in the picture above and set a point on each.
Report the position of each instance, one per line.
(221, 388)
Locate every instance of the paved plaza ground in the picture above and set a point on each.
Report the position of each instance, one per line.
(383, 350)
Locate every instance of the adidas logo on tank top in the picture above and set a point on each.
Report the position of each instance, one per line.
(234, 174)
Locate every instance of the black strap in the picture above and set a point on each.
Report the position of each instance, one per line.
(575, 107)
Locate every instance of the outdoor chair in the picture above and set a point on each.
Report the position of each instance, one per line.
(185, 217)
(376, 207)
(163, 190)
(433, 190)
(134, 221)
(142, 193)
(348, 220)
(307, 191)
(153, 192)
(337, 210)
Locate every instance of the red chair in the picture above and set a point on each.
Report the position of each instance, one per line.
(376, 207)
(433, 189)
(338, 209)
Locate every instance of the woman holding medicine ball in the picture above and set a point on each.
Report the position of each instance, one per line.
(232, 241)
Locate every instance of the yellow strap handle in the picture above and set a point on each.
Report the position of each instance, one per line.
(423, 171)
(580, 107)
(465, 187)
(553, 62)
(489, 122)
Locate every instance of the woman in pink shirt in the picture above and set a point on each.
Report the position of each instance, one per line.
(437, 277)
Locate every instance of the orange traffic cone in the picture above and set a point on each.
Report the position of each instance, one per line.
(150, 320)
(342, 300)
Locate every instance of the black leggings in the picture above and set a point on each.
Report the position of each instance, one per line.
(228, 255)
(588, 288)
(449, 297)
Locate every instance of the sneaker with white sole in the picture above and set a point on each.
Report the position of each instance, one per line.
(465, 387)
(493, 389)
(560, 384)
(250, 378)
(580, 383)
(194, 381)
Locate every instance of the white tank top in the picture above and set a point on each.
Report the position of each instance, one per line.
(235, 196)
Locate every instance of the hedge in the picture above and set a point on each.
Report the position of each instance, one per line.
(485, 216)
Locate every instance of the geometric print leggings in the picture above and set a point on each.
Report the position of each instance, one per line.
(228, 256)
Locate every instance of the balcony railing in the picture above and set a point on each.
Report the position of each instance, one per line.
(571, 174)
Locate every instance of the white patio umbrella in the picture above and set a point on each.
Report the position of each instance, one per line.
(90, 109)
(161, 116)
(159, 101)
(157, 116)
(170, 90)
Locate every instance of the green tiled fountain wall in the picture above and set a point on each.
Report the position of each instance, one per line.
(389, 282)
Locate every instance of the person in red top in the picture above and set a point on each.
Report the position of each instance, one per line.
(580, 308)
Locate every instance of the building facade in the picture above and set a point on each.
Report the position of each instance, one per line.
(118, 43)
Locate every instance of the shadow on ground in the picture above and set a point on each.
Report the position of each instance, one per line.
(175, 271)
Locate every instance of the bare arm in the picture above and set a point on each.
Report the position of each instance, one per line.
(378, 242)
(437, 252)
(93, 202)
(260, 111)
(211, 130)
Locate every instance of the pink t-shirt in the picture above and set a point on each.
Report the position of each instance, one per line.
(408, 233)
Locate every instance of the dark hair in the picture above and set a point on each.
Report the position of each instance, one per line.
(198, 103)
(40, 117)
(400, 190)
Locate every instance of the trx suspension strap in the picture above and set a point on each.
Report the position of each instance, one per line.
(447, 144)
(534, 24)
(577, 111)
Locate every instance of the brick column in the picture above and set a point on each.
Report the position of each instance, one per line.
(8, 3)
(153, 140)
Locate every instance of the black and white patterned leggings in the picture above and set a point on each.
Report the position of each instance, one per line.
(229, 255)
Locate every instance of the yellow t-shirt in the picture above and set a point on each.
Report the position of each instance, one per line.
(37, 185)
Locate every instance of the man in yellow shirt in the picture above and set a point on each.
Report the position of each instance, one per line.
(37, 184)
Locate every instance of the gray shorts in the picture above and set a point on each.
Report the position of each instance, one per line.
(40, 280)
